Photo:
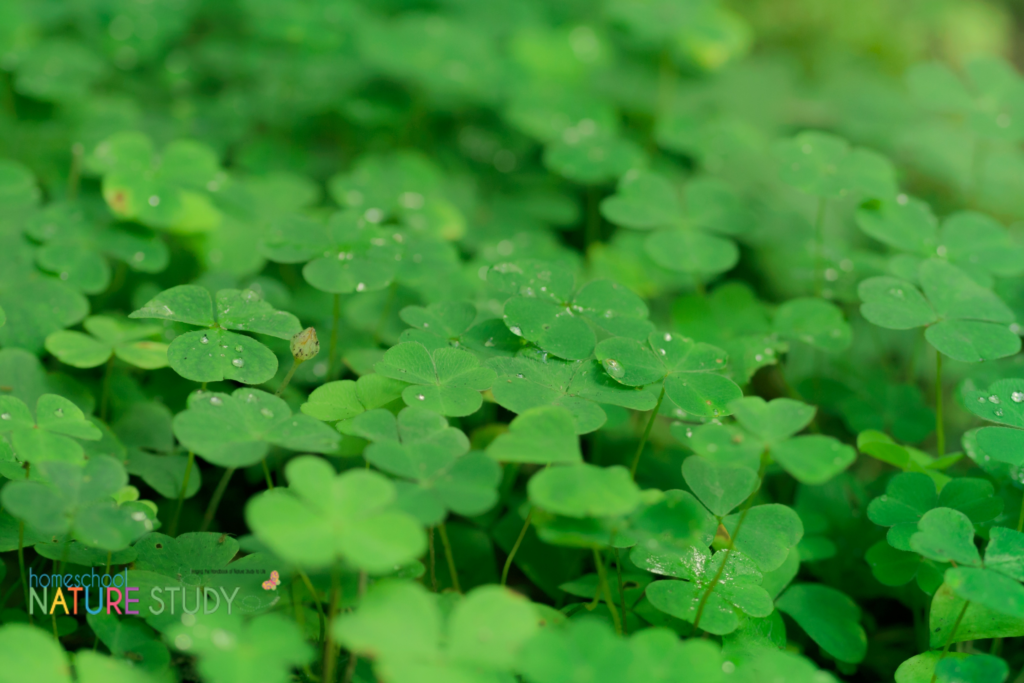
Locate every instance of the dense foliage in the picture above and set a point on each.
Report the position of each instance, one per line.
(620, 341)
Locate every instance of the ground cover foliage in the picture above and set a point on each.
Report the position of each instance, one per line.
(633, 340)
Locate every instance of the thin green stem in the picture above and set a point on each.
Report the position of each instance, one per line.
(21, 565)
(218, 493)
(940, 429)
(647, 432)
(75, 175)
(288, 378)
(330, 651)
(105, 397)
(732, 544)
(172, 530)
(333, 349)
(819, 246)
(515, 548)
(452, 569)
(350, 669)
(949, 641)
(593, 228)
(1020, 519)
(266, 473)
(602, 578)
(433, 559)
(378, 330)
(316, 603)
(622, 592)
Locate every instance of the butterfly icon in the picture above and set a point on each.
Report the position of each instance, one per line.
(273, 582)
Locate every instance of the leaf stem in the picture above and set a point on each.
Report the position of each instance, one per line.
(647, 432)
(266, 473)
(602, 578)
(819, 246)
(330, 652)
(350, 669)
(1020, 519)
(593, 229)
(21, 566)
(173, 528)
(622, 592)
(940, 430)
(105, 397)
(515, 548)
(74, 176)
(452, 569)
(218, 493)
(332, 351)
(433, 558)
(288, 378)
(732, 543)
(949, 641)
(316, 602)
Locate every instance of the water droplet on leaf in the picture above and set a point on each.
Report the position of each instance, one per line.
(613, 368)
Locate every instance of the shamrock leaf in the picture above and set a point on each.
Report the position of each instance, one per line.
(647, 200)
(51, 434)
(731, 318)
(228, 648)
(80, 501)
(345, 399)
(589, 156)
(688, 371)
(737, 591)
(1003, 403)
(202, 566)
(909, 495)
(322, 518)
(584, 490)
(447, 380)
(215, 353)
(768, 533)
(964, 320)
(58, 70)
(450, 323)
(946, 535)
(542, 435)
(972, 669)
(110, 336)
(167, 191)
(19, 191)
(399, 625)
(829, 617)
(585, 650)
(76, 249)
(972, 241)
(823, 165)
(816, 322)
(439, 471)
(547, 310)
(131, 640)
(580, 387)
(344, 255)
(720, 486)
(238, 430)
(35, 304)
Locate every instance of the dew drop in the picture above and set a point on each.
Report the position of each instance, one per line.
(204, 340)
(421, 397)
(981, 399)
(759, 358)
(689, 432)
(896, 292)
(999, 412)
(516, 331)
(1017, 397)
(520, 375)
(668, 336)
(361, 287)
(138, 256)
(5, 416)
(489, 342)
(59, 412)
(238, 362)
(215, 401)
(662, 351)
(613, 368)
(154, 201)
(993, 399)
(266, 412)
(238, 348)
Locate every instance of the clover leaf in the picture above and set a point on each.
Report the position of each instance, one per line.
(450, 323)
(731, 318)
(526, 382)
(51, 434)
(547, 310)
(994, 584)
(910, 495)
(58, 70)
(588, 156)
(437, 471)
(343, 400)
(972, 669)
(80, 501)
(168, 191)
(237, 430)
(829, 617)
(824, 165)
(736, 592)
(400, 626)
(584, 490)
(1002, 403)
(35, 304)
(19, 191)
(816, 322)
(542, 435)
(131, 640)
(720, 486)
(344, 255)
(972, 241)
(447, 380)
(963, 320)
(688, 371)
(216, 353)
(110, 336)
(323, 518)
(585, 650)
(768, 533)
